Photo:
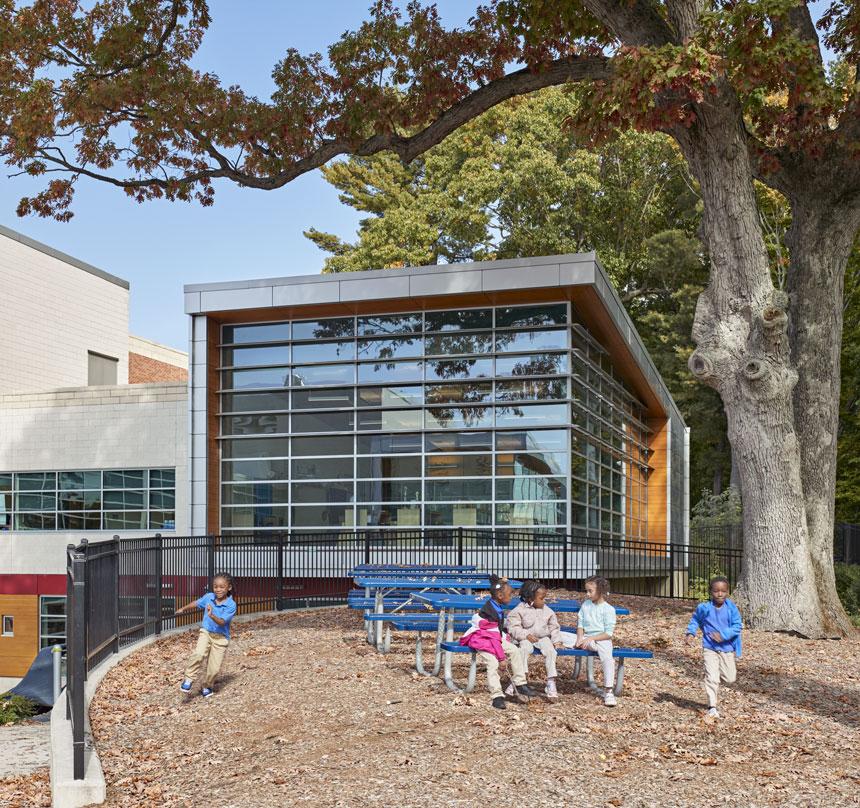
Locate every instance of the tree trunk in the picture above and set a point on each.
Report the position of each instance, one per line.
(742, 351)
(820, 241)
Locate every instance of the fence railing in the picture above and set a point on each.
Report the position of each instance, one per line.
(121, 591)
(846, 544)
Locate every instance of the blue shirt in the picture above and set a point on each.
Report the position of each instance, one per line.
(226, 610)
(726, 621)
(497, 607)
(596, 618)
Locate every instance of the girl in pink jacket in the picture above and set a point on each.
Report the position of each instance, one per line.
(493, 646)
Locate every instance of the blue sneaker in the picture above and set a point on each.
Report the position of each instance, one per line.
(206, 692)
(185, 687)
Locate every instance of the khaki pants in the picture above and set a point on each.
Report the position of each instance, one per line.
(210, 644)
(718, 665)
(515, 661)
(548, 651)
(607, 663)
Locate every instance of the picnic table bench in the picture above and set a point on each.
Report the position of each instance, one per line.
(621, 654)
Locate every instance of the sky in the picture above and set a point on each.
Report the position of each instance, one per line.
(161, 246)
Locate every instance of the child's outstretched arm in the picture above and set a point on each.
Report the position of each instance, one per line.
(188, 607)
(693, 626)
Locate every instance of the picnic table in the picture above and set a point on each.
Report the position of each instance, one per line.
(413, 585)
(368, 569)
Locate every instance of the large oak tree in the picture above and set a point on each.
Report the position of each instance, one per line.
(741, 86)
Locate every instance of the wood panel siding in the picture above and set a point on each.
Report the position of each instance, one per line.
(17, 653)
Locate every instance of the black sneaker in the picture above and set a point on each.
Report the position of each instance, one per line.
(499, 703)
(525, 690)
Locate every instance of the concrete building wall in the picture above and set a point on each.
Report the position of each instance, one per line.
(141, 426)
(56, 309)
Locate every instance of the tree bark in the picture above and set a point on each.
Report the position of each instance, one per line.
(740, 330)
(820, 240)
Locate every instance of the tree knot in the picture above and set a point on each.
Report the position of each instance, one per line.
(774, 319)
(700, 366)
(755, 369)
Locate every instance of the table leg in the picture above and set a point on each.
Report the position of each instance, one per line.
(619, 677)
(379, 609)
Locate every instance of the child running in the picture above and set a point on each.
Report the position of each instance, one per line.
(594, 631)
(487, 636)
(720, 622)
(219, 609)
(532, 624)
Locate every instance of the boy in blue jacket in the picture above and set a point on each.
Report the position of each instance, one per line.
(720, 622)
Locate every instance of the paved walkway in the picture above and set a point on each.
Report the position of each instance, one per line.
(25, 747)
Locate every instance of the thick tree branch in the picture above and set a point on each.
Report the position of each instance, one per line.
(684, 16)
(634, 22)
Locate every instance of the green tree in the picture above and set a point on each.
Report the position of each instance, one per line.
(107, 91)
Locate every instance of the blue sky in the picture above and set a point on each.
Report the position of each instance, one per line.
(160, 246)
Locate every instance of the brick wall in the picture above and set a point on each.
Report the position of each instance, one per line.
(146, 370)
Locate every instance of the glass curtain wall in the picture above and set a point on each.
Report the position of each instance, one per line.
(504, 418)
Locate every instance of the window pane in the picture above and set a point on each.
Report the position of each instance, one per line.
(385, 515)
(162, 519)
(36, 482)
(459, 417)
(531, 513)
(531, 488)
(252, 402)
(459, 465)
(388, 491)
(249, 379)
(458, 320)
(323, 492)
(5, 482)
(380, 325)
(80, 500)
(37, 501)
(531, 316)
(265, 516)
(69, 480)
(81, 520)
(309, 376)
(324, 352)
(389, 372)
(386, 467)
(537, 365)
(459, 369)
(256, 447)
(466, 514)
(539, 439)
(162, 478)
(5, 511)
(35, 521)
(255, 494)
(162, 500)
(389, 444)
(458, 442)
(324, 329)
(453, 344)
(531, 389)
(124, 479)
(390, 348)
(323, 422)
(269, 332)
(330, 445)
(458, 490)
(248, 357)
(532, 415)
(390, 396)
(471, 393)
(268, 424)
(255, 470)
(519, 464)
(323, 468)
(327, 398)
(389, 419)
(132, 520)
(124, 500)
(53, 606)
(322, 516)
(101, 370)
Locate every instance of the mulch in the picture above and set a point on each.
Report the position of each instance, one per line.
(306, 713)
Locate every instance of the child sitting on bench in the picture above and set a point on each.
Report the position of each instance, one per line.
(594, 631)
(488, 638)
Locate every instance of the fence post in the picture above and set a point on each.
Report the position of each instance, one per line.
(159, 580)
(115, 644)
(280, 550)
(82, 551)
(77, 661)
(211, 560)
(671, 569)
(366, 546)
(566, 540)
(459, 546)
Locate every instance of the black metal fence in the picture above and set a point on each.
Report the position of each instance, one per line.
(846, 544)
(121, 591)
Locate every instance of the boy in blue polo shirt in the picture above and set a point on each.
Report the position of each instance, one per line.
(219, 609)
(720, 622)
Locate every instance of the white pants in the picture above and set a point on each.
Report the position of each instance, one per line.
(607, 663)
(515, 660)
(548, 651)
(719, 665)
